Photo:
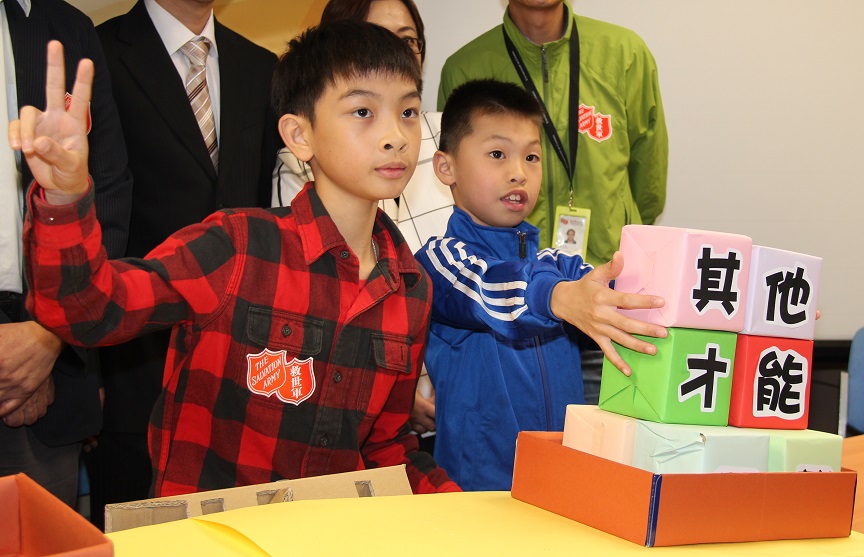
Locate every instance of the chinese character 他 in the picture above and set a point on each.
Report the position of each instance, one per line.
(705, 370)
(794, 290)
(779, 386)
(718, 281)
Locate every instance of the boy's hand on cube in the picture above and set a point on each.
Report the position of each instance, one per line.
(592, 306)
(54, 141)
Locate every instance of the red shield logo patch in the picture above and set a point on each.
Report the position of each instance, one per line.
(586, 118)
(602, 128)
(300, 383)
(270, 373)
(266, 372)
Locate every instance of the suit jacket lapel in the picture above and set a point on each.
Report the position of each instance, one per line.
(29, 36)
(150, 65)
(232, 100)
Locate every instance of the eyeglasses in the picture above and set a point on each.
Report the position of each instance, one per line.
(414, 43)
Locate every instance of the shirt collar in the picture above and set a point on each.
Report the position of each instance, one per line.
(522, 41)
(173, 33)
(25, 6)
(318, 235)
(499, 242)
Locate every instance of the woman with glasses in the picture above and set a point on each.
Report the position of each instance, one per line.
(399, 16)
(426, 204)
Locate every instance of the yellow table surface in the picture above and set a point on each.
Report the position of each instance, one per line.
(484, 523)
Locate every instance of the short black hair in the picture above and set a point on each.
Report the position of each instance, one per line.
(321, 55)
(483, 97)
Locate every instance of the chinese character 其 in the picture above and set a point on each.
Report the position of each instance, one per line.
(718, 284)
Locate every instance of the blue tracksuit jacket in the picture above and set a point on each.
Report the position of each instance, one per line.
(499, 360)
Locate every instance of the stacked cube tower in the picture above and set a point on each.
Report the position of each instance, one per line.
(741, 321)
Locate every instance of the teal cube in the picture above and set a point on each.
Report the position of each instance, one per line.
(699, 449)
(688, 381)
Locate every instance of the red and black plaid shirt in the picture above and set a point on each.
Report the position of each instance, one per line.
(241, 282)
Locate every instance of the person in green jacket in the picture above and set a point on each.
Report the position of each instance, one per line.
(605, 146)
(619, 127)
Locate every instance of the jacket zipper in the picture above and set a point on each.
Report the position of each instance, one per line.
(538, 346)
(544, 377)
(550, 192)
(523, 248)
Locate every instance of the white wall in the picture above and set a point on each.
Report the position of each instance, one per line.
(764, 102)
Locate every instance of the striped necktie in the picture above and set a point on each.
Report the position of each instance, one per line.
(199, 97)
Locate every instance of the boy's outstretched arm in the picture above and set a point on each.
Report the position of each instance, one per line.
(591, 305)
(54, 141)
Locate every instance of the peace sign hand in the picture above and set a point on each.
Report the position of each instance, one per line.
(54, 142)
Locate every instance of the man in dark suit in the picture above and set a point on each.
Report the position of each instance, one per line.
(41, 440)
(176, 184)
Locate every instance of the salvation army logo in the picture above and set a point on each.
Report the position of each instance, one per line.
(270, 373)
(597, 126)
(68, 101)
(586, 118)
(602, 128)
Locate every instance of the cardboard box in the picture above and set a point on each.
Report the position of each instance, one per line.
(35, 523)
(375, 482)
(782, 294)
(702, 275)
(693, 449)
(771, 386)
(803, 450)
(677, 509)
(688, 381)
(594, 431)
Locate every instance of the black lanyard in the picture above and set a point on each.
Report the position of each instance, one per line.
(548, 126)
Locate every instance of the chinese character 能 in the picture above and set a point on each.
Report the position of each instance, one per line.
(778, 388)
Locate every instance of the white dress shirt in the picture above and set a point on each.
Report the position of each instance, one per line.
(11, 189)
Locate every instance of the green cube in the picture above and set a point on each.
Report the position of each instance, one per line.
(688, 381)
(803, 450)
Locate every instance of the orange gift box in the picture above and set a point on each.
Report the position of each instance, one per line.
(34, 523)
(678, 509)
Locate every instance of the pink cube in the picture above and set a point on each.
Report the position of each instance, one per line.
(782, 294)
(702, 275)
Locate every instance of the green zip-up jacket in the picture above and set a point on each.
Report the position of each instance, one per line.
(622, 160)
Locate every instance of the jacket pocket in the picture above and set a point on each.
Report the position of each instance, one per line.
(274, 329)
(392, 361)
(392, 352)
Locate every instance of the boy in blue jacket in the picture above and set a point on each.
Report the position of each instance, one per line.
(502, 352)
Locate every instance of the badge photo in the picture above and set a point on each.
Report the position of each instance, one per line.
(571, 229)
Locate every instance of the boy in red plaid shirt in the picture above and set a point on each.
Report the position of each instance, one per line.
(298, 332)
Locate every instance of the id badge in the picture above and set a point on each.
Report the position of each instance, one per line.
(571, 229)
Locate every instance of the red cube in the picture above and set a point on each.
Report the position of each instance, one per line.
(771, 383)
